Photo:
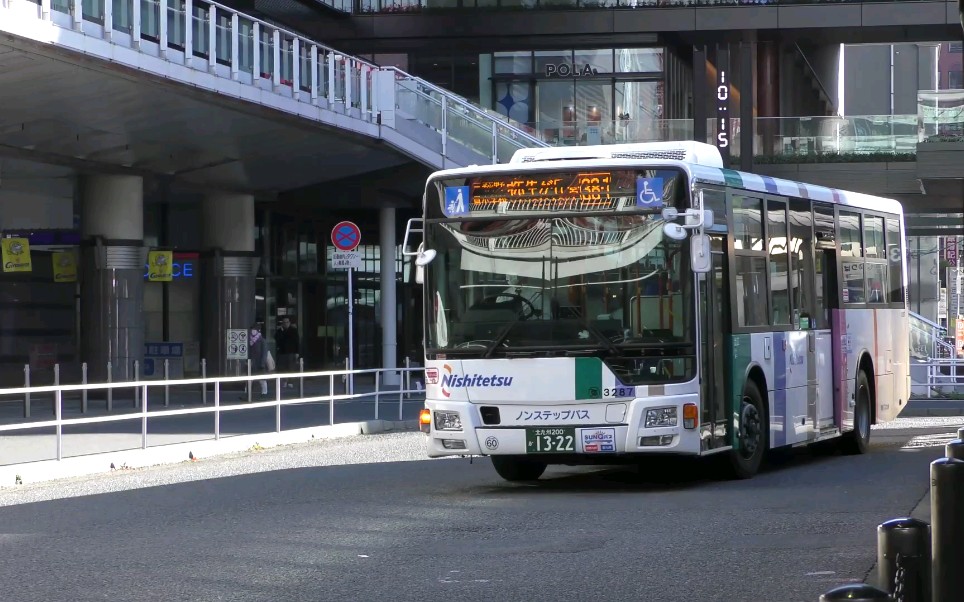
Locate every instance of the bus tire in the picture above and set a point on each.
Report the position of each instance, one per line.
(514, 468)
(753, 434)
(857, 441)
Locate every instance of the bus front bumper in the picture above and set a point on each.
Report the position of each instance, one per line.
(456, 429)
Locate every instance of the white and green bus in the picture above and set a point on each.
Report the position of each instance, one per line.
(598, 304)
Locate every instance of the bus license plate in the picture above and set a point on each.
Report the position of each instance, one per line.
(550, 440)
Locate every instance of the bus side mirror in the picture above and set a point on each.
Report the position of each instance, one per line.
(700, 256)
(419, 274)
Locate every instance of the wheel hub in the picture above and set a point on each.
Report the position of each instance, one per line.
(749, 429)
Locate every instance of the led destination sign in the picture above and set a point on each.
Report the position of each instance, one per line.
(566, 191)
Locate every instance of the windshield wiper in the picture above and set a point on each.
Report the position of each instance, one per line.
(602, 337)
(500, 337)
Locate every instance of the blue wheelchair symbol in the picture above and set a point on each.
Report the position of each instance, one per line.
(649, 192)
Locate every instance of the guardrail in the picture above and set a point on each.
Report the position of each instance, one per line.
(943, 373)
(219, 385)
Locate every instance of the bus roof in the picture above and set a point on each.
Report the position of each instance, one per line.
(701, 166)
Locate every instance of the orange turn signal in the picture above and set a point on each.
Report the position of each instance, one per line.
(691, 414)
(425, 420)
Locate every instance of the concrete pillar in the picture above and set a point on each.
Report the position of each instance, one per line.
(229, 267)
(112, 282)
(387, 281)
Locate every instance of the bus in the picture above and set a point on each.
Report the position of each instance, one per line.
(598, 304)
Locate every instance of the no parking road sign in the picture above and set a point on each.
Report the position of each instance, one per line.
(345, 236)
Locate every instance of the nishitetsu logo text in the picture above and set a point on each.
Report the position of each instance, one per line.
(454, 381)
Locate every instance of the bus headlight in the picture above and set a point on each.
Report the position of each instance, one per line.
(447, 421)
(656, 417)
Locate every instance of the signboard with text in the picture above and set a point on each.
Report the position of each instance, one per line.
(344, 260)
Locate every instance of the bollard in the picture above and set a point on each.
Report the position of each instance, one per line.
(26, 395)
(904, 559)
(301, 381)
(377, 381)
(110, 391)
(250, 384)
(954, 449)
(408, 378)
(56, 384)
(331, 399)
(83, 394)
(204, 385)
(137, 390)
(947, 529)
(167, 377)
(856, 592)
(960, 433)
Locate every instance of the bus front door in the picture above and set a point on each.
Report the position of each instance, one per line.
(713, 419)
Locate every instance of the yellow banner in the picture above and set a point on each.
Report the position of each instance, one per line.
(160, 266)
(65, 266)
(16, 255)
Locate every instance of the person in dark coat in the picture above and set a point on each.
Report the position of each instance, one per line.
(286, 339)
(258, 352)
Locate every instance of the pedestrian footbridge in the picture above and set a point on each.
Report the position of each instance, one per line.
(214, 97)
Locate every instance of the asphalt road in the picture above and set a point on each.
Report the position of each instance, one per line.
(367, 519)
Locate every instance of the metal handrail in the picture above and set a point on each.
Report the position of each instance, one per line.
(141, 399)
(451, 97)
(288, 32)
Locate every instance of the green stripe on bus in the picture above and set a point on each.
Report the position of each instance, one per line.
(589, 378)
(733, 178)
(739, 358)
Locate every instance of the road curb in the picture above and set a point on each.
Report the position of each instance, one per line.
(49, 470)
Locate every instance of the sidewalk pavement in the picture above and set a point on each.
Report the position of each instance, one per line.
(919, 407)
(32, 452)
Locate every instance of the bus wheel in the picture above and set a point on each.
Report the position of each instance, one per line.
(514, 468)
(857, 441)
(752, 436)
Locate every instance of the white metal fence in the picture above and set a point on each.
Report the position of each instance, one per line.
(943, 376)
(379, 395)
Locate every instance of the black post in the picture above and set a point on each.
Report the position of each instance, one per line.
(955, 449)
(700, 100)
(747, 122)
(904, 559)
(947, 528)
(856, 592)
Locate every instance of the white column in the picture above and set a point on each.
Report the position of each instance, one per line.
(228, 221)
(228, 273)
(113, 207)
(112, 283)
(389, 306)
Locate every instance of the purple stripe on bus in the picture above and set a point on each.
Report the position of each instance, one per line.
(770, 184)
(838, 327)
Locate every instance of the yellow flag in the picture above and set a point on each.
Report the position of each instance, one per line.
(16, 255)
(160, 266)
(65, 266)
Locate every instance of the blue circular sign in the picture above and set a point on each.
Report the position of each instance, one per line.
(345, 236)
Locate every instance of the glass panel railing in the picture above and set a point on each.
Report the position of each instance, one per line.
(266, 51)
(623, 131)
(927, 339)
(879, 135)
(940, 115)
(473, 127)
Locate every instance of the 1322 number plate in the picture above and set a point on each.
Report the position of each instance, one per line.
(550, 440)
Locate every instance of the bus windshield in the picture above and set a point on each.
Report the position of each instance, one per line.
(536, 285)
